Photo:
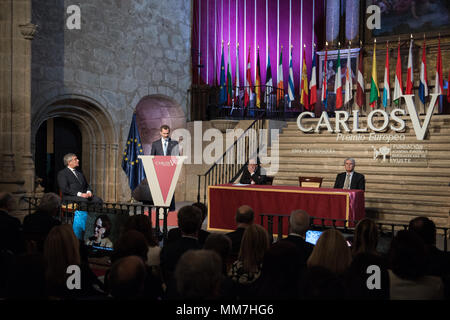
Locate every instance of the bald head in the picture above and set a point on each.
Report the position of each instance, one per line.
(244, 214)
(299, 222)
(127, 276)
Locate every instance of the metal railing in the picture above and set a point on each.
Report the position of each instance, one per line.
(267, 220)
(228, 167)
(67, 210)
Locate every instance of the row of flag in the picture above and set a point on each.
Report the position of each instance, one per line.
(344, 93)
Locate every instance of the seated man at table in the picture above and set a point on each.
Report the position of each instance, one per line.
(350, 179)
(252, 174)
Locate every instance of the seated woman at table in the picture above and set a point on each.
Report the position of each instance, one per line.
(252, 174)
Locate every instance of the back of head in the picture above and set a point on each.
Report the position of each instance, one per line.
(203, 208)
(189, 220)
(6, 201)
(366, 237)
(61, 249)
(130, 243)
(143, 224)
(244, 214)
(331, 252)
(198, 274)
(219, 243)
(127, 277)
(299, 222)
(407, 255)
(50, 203)
(425, 229)
(255, 243)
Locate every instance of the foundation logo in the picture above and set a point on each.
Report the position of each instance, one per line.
(382, 151)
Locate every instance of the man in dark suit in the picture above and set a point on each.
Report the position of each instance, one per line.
(164, 146)
(298, 225)
(244, 217)
(73, 184)
(252, 174)
(189, 222)
(350, 179)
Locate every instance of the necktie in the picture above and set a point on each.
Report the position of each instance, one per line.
(347, 181)
(165, 147)
(76, 175)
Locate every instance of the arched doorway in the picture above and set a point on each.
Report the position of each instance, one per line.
(55, 138)
(99, 140)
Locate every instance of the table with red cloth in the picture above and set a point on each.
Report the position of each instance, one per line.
(224, 200)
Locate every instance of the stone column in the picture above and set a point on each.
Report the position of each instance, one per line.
(352, 21)
(332, 22)
(16, 33)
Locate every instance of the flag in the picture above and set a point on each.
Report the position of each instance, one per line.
(348, 80)
(386, 85)
(291, 90)
(338, 82)
(313, 83)
(236, 92)
(448, 87)
(229, 79)
(423, 85)
(374, 92)
(280, 84)
(248, 86)
(439, 87)
(304, 98)
(398, 86)
(269, 83)
(410, 75)
(360, 96)
(222, 88)
(324, 93)
(131, 164)
(258, 82)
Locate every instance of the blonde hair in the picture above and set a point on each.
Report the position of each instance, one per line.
(331, 252)
(61, 249)
(255, 243)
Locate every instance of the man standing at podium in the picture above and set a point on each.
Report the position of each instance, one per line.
(164, 146)
(350, 179)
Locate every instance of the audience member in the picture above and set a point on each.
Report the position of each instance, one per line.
(365, 239)
(408, 268)
(11, 238)
(126, 278)
(189, 222)
(175, 233)
(36, 226)
(281, 272)
(244, 217)
(247, 268)
(198, 275)
(221, 244)
(134, 243)
(143, 224)
(298, 225)
(331, 252)
(319, 283)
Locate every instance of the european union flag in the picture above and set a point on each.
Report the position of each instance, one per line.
(131, 164)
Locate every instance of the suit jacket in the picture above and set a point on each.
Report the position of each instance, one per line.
(305, 249)
(358, 181)
(236, 239)
(257, 177)
(70, 185)
(158, 150)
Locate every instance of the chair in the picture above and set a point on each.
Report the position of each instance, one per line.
(313, 182)
(269, 180)
(67, 208)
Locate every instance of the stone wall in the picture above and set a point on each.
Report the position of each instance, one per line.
(124, 51)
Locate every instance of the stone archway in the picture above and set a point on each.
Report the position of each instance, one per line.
(152, 111)
(100, 140)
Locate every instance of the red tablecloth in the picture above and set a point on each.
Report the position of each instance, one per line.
(224, 200)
